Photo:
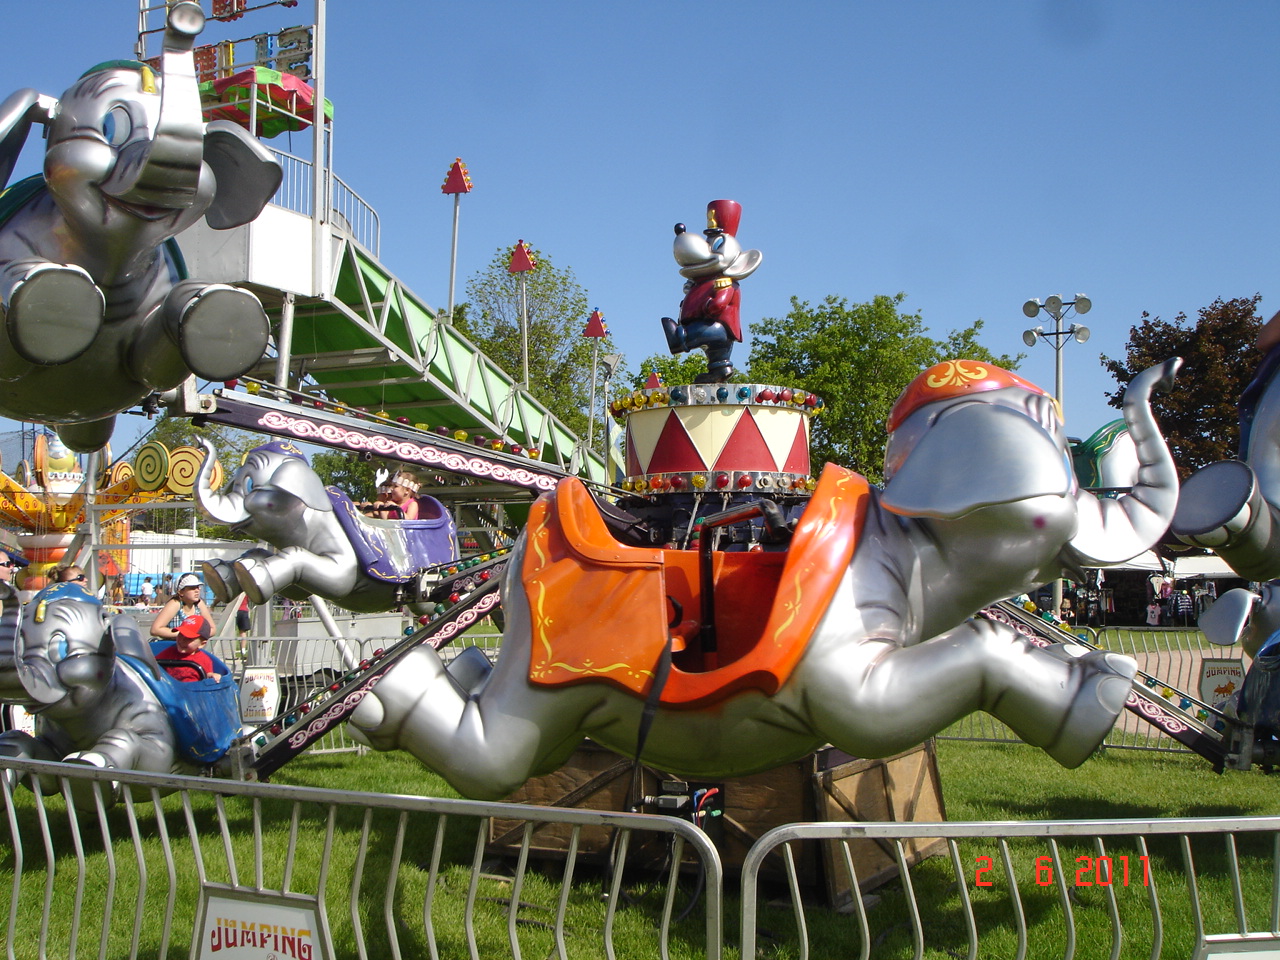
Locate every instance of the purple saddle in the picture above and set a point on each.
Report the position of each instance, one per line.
(395, 550)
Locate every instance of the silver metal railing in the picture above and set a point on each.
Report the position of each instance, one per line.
(1132, 888)
(404, 876)
(383, 875)
(347, 208)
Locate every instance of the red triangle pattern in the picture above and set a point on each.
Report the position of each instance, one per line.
(798, 458)
(745, 448)
(675, 452)
(457, 180)
(633, 461)
(521, 262)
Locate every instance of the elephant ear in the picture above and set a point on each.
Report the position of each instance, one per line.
(977, 455)
(247, 174)
(295, 476)
(1224, 621)
(126, 636)
(17, 113)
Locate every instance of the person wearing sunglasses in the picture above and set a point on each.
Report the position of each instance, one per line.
(11, 559)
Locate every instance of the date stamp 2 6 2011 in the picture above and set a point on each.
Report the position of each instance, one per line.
(1089, 871)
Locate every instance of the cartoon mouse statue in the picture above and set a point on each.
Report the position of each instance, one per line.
(709, 311)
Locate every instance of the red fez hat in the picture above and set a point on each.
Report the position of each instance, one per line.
(954, 378)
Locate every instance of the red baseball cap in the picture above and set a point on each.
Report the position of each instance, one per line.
(195, 626)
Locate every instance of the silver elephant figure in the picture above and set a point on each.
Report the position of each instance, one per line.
(980, 504)
(1232, 507)
(97, 310)
(98, 694)
(324, 545)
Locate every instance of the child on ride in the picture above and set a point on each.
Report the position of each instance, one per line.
(188, 644)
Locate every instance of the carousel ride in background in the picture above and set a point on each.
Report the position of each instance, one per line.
(48, 502)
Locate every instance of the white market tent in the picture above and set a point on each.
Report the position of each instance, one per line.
(1208, 567)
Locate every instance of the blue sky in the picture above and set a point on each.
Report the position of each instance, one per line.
(971, 155)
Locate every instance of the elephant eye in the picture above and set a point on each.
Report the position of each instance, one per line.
(718, 244)
(58, 647)
(117, 126)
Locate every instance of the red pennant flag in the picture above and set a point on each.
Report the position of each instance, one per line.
(457, 180)
(595, 325)
(653, 382)
(521, 262)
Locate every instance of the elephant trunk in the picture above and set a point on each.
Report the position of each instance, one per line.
(164, 171)
(1112, 531)
(221, 508)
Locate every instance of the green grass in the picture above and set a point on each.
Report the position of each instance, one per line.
(980, 782)
(995, 782)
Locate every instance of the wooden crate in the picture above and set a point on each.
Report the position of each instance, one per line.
(900, 789)
(826, 785)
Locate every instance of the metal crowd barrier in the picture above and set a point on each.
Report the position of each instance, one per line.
(1134, 888)
(194, 866)
(183, 865)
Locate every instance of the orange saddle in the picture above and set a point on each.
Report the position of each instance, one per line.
(600, 609)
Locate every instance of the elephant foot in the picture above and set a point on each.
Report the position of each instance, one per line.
(1215, 505)
(87, 436)
(54, 314)
(222, 331)
(1102, 684)
(16, 745)
(83, 791)
(254, 580)
(220, 577)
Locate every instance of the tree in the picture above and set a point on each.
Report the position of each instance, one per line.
(858, 358)
(675, 369)
(230, 443)
(352, 474)
(1197, 417)
(559, 355)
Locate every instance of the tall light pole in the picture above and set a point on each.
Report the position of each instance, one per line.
(1057, 308)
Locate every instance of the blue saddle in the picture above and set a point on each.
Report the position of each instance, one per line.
(395, 550)
(205, 714)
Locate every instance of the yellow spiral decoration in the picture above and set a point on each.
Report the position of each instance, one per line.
(119, 473)
(151, 465)
(184, 464)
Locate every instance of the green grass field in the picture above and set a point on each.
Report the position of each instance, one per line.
(988, 782)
